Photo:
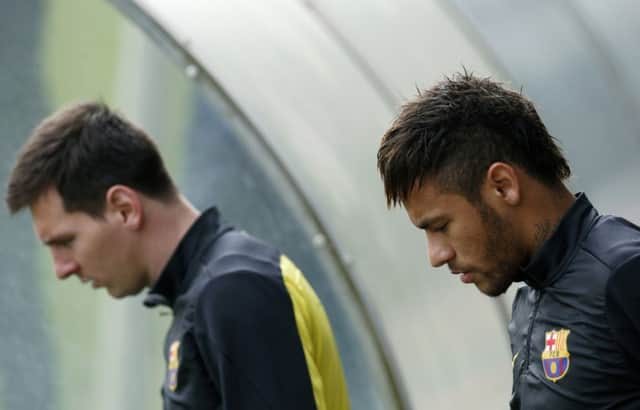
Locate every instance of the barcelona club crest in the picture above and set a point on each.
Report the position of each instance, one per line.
(174, 363)
(555, 356)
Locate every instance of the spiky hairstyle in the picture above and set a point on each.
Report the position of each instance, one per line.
(455, 130)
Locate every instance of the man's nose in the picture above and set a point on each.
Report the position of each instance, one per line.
(64, 268)
(439, 253)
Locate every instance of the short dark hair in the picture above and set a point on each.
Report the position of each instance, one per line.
(455, 130)
(82, 151)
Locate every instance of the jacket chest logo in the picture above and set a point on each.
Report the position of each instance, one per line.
(555, 356)
(174, 363)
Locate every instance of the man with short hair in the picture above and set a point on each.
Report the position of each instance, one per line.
(476, 169)
(248, 330)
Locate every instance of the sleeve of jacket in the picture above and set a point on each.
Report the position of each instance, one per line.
(246, 332)
(623, 308)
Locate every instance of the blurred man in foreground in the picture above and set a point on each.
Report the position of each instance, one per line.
(476, 169)
(248, 330)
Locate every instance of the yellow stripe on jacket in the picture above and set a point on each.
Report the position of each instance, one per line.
(320, 350)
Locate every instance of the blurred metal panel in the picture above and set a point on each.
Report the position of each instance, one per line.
(323, 118)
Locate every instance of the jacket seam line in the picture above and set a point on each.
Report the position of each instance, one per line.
(596, 257)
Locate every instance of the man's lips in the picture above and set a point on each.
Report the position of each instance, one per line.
(465, 277)
(94, 284)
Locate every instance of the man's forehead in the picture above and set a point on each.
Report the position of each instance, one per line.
(49, 202)
(423, 193)
(428, 201)
(47, 213)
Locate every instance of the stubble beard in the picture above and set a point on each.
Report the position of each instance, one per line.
(503, 249)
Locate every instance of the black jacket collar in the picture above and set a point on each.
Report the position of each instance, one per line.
(554, 254)
(177, 274)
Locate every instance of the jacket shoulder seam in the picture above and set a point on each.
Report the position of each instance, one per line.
(596, 257)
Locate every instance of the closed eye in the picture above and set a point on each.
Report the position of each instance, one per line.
(435, 224)
(441, 228)
(64, 242)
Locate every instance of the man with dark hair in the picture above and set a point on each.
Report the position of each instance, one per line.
(248, 330)
(476, 169)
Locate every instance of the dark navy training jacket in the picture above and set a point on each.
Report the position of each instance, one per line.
(248, 332)
(575, 328)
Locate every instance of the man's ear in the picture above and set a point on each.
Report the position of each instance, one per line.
(124, 205)
(501, 184)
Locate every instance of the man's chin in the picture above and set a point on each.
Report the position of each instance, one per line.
(491, 289)
(121, 293)
(116, 293)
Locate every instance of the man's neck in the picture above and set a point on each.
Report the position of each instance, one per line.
(547, 210)
(165, 226)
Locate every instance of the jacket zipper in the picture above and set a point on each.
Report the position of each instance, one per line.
(527, 345)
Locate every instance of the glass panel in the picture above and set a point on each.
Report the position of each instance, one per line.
(66, 347)
(324, 120)
(578, 62)
(228, 167)
(26, 349)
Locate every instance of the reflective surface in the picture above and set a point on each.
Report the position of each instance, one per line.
(323, 119)
(577, 60)
(318, 81)
(78, 348)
